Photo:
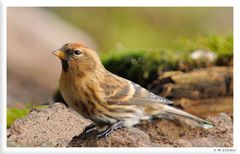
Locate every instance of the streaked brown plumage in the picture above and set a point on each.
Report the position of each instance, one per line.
(108, 100)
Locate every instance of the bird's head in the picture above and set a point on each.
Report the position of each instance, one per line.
(77, 58)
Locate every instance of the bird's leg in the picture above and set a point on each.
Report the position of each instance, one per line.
(110, 129)
(89, 128)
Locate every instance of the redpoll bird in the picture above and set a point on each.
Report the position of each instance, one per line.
(109, 101)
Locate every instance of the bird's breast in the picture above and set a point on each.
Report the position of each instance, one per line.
(71, 91)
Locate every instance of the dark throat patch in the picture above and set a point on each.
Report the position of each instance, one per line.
(65, 65)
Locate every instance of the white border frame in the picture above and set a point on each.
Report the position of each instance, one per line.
(116, 3)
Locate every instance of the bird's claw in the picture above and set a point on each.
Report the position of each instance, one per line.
(109, 130)
(104, 133)
(89, 128)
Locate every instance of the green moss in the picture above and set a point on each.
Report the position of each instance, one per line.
(13, 114)
(140, 66)
(222, 45)
(143, 66)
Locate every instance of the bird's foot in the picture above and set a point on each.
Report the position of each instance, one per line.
(89, 128)
(110, 129)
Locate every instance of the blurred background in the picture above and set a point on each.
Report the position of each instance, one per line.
(140, 44)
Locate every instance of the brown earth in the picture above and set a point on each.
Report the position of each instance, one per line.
(58, 126)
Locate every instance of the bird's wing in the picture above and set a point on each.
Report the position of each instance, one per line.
(142, 95)
(121, 91)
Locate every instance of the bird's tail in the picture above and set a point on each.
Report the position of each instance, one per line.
(173, 111)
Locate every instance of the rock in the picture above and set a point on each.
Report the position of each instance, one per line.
(202, 83)
(126, 137)
(182, 135)
(219, 136)
(54, 126)
(164, 131)
(59, 126)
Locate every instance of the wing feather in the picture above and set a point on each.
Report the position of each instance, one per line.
(142, 95)
(121, 91)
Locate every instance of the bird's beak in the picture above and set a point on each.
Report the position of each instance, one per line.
(59, 53)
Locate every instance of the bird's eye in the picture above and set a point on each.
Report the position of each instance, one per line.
(77, 52)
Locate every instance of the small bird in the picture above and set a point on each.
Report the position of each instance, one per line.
(109, 101)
